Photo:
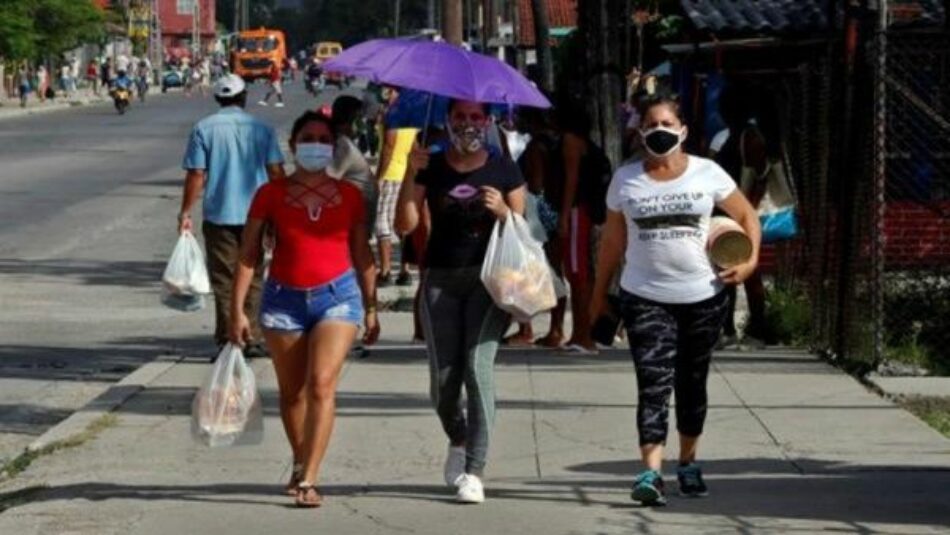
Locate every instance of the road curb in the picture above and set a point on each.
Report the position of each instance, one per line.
(17, 112)
(105, 403)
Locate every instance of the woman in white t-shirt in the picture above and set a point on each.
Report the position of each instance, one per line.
(672, 299)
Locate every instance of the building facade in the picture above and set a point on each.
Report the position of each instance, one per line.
(179, 28)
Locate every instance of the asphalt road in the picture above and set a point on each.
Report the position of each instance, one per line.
(88, 201)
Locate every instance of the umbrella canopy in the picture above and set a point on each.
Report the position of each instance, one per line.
(439, 68)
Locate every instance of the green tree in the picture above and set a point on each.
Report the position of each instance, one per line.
(30, 28)
(18, 37)
(66, 24)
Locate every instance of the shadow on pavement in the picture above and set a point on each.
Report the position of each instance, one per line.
(744, 491)
(176, 400)
(127, 274)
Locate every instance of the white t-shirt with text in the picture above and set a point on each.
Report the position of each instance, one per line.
(667, 230)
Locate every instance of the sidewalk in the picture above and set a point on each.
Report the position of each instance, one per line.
(10, 108)
(792, 445)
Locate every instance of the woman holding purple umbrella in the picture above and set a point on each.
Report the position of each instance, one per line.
(467, 190)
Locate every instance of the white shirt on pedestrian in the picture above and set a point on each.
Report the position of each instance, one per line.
(667, 230)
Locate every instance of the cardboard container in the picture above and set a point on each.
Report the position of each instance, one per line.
(728, 244)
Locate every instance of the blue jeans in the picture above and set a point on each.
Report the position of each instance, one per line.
(284, 308)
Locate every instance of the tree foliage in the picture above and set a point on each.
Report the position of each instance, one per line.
(30, 28)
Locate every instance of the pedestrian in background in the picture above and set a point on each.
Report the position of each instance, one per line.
(398, 139)
(105, 73)
(467, 191)
(574, 194)
(42, 82)
(65, 79)
(672, 300)
(24, 84)
(276, 87)
(538, 161)
(747, 141)
(92, 76)
(348, 161)
(314, 300)
(229, 155)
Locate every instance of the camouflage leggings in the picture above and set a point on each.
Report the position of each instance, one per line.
(671, 347)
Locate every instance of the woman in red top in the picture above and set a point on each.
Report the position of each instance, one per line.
(313, 301)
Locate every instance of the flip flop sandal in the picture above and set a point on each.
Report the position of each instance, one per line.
(307, 496)
(517, 341)
(296, 475)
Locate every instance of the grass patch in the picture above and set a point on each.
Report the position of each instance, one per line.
(932, 410)
(23, 461)
(788, 315)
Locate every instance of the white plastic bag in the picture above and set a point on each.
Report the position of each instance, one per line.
(515, 271)
(226, 410)
(185, 280)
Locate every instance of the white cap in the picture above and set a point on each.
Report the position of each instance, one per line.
(228, 86)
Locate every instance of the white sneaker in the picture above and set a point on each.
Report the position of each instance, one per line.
(279, 105)
(470, 489)
(261, 103)
(454, 464)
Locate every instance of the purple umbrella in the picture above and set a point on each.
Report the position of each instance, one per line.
(439, 68)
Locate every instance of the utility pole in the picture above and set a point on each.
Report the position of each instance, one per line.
(237, 16)
(452, 21)
(515, 16)
(156, 50)
(430, 11)
(542, 43)
(195, 29)
(396, 18)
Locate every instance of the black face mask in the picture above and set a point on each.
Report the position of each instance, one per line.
(661, 142)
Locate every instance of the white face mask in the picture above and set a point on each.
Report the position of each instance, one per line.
(314, 157)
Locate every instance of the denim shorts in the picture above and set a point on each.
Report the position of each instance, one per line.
(285, 308)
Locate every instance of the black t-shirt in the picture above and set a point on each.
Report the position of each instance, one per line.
(461, 225)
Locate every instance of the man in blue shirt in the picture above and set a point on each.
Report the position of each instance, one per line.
(229, 155)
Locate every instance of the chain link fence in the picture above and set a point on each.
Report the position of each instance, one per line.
(878, 221)
(910, 202)
(869, 147)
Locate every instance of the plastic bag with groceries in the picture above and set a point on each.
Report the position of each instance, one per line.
(185, 281)
(515, 271)
(226, 410)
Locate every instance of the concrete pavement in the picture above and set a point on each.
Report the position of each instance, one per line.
(87, 204)
(792, 445)
(87, 216)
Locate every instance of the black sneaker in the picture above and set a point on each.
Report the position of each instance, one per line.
(404, 279)
(648, 489)
(384, 280)
(690, 477)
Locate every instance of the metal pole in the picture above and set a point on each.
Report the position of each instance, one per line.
(195, 29)
(398, 7)
(237, 16)
(430, 11)
(879, 186)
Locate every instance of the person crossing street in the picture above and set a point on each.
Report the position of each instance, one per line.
(229, 155)
(276, 87)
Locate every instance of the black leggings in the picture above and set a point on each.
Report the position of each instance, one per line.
(671, 347)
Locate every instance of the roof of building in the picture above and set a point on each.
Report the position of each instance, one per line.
(561, 14)
(796, 16)
(786, 16)
(917, 12)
